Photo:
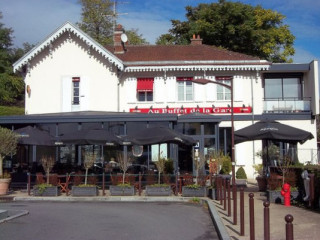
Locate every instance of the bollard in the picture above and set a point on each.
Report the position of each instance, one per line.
(234, 194)
(140, 177)
(229, 198)
(289, 227)
(312, 191)
(241, 211)
(220, 190)
(103, 184)
(29, 183)
(224, 194)
(266, 215)
(176, 188)
(251, 216)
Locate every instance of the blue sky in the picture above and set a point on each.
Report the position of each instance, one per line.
(33, 20)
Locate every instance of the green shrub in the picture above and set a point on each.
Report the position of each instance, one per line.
(241, 173)
(168, 166)
(226, 165)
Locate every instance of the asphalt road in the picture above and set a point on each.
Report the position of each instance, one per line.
(120, 221)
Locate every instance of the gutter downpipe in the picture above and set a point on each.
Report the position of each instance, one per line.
(252, 115)
(118, 90)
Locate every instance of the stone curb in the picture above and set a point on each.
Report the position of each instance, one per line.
(20, 214)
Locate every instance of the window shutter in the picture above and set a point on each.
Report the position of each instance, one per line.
(84, 94)
(131, 90)
(238, 88)
(199, 93)
(159, 90)
(171, 89)
(66, 84)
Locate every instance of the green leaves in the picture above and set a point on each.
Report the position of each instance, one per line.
(238, 27)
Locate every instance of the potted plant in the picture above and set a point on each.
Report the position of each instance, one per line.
(241, 177)
(8, 145)
(284, 164)
(198, 189)
(86, 189)
(261, 178)
(123, 189)
(159, 189)
(46, 189)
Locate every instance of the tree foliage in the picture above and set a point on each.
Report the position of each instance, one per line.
(235, 26)
(97, 20)
(8, 145)
(11, 85)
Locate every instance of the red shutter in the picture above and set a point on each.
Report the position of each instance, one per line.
(145, 85)
(76, 79)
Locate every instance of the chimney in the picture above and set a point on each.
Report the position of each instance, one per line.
(196, 41)
(117, 42)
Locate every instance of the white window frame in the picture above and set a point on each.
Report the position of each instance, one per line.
(185, 91)
(223, 93)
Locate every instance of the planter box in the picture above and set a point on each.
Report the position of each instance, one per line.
(158, 191)
(276, 197)
(212, 193)
(47, 192)
(84, 191)
(121, 191)
(241, 182)
(194, 192)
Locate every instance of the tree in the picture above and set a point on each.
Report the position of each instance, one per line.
(135, 38)
(8, 145)
(237, 27)
(124, 164)
(89, 159)
(48, 163)
(11, 85)
(97, 20)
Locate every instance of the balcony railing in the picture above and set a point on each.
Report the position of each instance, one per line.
(287, 105)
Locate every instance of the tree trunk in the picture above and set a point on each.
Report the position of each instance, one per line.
(86, 177)
(159, 176)
(1, 165)
(48, 177)
(123, 177)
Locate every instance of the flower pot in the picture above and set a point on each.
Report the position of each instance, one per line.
(241, 182)
(122, 190)
(194, 192)
(4, 185)
(158, 190)
(262, 183)
(47, 191)
(84, 191)
(274, 196)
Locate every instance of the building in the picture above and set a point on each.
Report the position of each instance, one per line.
(73, 82)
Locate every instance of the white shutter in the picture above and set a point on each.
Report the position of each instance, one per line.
(131, 90)
(238, 88)
(171, 89)
(158, 90)
(198, 90)
(84, 94)
(211, 91)
(66, 84)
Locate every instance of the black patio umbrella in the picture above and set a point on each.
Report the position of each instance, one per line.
(34, 136)
(88, 137)
(272, 130)
(156, 135)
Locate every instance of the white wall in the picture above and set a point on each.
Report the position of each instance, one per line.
(98, 84)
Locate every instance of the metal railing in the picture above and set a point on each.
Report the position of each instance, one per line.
(286, 105)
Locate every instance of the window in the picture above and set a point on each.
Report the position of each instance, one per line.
(145, 89)
(223, 93)
(75, 90)
(282, 87)
(185, 88)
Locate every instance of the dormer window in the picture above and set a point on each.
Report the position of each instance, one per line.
(145, 89)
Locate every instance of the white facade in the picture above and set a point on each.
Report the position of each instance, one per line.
(107, 84)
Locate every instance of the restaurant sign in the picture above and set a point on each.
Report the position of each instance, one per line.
(203, 110)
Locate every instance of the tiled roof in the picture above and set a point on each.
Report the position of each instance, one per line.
(192, 53)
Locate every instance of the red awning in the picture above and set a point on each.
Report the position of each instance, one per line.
(184, 78)
(145, 85)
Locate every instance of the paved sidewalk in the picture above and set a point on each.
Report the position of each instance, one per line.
(305, 222)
